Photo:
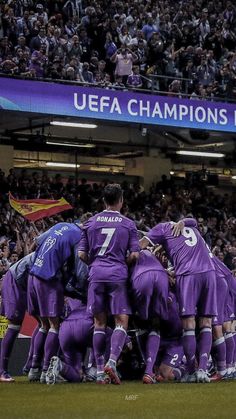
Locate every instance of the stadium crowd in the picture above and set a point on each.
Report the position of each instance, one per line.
(175, 46)
(165, 201)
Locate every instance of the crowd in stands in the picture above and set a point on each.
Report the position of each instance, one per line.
(165, 201)
(114, 44)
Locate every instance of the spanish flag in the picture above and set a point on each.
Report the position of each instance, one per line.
(35, 209)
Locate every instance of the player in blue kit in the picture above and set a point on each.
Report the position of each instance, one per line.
(46, 289)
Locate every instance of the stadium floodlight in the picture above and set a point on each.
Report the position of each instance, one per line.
(70, 144)
(58, 164)
(72, 124)
(199, 154)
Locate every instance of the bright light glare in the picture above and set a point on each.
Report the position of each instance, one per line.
(199, 153)
(71, 144)
(72, 124)
(58, 164)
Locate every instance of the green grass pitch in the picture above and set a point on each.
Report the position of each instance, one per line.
(22, 400)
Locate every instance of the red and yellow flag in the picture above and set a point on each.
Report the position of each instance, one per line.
(35, 209)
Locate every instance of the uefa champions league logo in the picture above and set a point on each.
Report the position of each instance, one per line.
(47, 245)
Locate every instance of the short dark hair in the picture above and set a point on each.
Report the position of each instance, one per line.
(112, 194)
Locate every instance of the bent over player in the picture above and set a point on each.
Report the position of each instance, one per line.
(195, 285)
(46, 290)
(149, 282)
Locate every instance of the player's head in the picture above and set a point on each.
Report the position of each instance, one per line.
(113, 195)
(82, 220)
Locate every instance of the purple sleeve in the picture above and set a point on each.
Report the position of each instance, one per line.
(133, 239)
(83, 244)
(156, 234)
(190, 222)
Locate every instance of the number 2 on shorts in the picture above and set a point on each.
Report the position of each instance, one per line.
(174, 359)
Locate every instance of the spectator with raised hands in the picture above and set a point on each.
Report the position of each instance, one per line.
(124, 59)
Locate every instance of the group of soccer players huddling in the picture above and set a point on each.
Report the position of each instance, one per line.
(94, 287)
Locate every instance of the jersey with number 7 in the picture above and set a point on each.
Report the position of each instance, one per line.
(106, 238)
(188, 252)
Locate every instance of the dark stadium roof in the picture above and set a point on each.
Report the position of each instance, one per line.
(33, 131)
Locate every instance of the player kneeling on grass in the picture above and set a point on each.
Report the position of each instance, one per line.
(13, 307)
(106, 239)
(75, 337)
(171, 353)
(149, 283)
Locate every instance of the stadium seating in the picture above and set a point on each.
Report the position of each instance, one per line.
(172, 46)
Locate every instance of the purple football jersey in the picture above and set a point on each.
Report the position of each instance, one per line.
(221, 268)
(146, 262)
(107, 237)
(77, 310)
(172, 328)
(188, 252)
(55, 249)
(20, 269)
(223, 271)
